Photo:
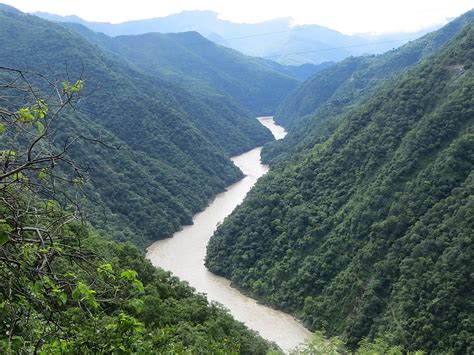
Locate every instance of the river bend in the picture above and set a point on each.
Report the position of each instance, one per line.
(184, 253)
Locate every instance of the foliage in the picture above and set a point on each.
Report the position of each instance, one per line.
(210, 71)
(334, 346)
(98, 304)
(369, 232)
(314, 110)
(171, 151)
(63, 287)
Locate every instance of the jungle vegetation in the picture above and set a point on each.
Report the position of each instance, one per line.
(369, 231)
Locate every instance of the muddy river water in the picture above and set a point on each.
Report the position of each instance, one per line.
(184, 253)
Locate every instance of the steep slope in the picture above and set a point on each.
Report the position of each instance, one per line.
(172, 143)
(370, 232)
(311, 111)
(276, 39)
(77, 291)
(318, 89)
(208, 70)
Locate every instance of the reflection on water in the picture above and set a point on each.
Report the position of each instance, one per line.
(184, 253)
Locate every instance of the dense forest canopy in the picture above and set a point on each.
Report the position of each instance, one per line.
(313, 111)
(174, 147)
(210, 71)
(362, 229)
(63, 287)
(369, 231)
(67, 289)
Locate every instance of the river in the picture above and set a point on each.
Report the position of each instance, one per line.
(184, 253)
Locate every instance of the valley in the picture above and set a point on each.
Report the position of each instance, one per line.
(144, 209)
(183, 254)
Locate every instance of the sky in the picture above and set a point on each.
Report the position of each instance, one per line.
(347, 16)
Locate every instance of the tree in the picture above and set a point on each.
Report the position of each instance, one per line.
(63, 287)
(39, 226)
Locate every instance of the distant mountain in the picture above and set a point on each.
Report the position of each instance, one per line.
(276, 39)
(210, 71)
(312, 110)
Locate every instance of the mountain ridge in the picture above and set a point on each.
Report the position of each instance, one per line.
(311, 111)
(274, 39)
(163, 131)
(366, 232)
(203, 67)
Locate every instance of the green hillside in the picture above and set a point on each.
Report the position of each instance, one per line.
(64, 288)
(369, 232)
(312, 111)
(208, 70)
(174, 147)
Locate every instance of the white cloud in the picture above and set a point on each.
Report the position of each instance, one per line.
(348, 16)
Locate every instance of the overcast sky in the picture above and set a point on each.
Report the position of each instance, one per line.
(347, 16)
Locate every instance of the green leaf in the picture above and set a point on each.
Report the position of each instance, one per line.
(71, 89)
(37, 288)
(41, 109)
(4, 238)
(43, 173)
(137, 304)
(79, 85)
(8, 155)
(51, 204)
(62, 297)
(105, 268)
(138, 285)
(3, 128)
(130, 275)
(83, 293)
(40, 127)
(25, 115)
(16, 343)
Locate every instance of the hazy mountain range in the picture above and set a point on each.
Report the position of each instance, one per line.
(275, 39)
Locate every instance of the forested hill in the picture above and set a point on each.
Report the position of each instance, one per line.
(311, 111)
(369, 233)
(174, 148)
(205, 68)
(64, 288)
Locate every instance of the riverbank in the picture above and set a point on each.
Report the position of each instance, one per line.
(184, 253)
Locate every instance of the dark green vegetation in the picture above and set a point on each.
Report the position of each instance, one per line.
(64, 289)
(367, 232)
(113, 302)
(174, 147)
(319, 344)
(212, 72)
(314, 110)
